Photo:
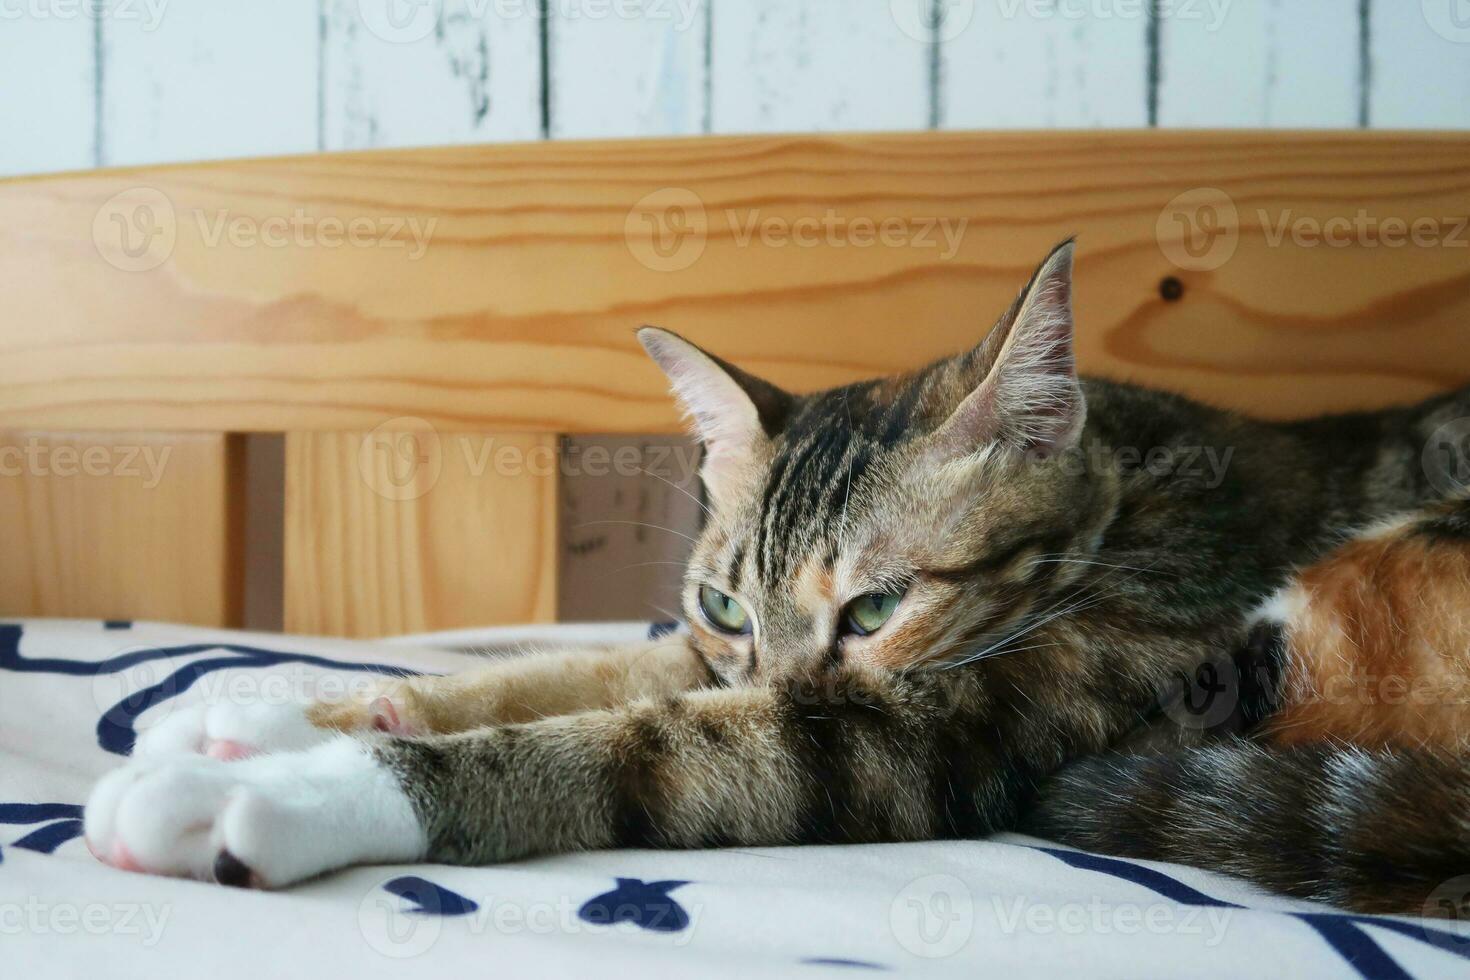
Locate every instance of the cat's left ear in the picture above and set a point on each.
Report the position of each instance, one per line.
(733, 412)
(1030, 398)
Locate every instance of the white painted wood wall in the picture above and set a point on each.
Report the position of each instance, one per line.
(171, 80)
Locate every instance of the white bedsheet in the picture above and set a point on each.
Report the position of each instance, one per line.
(1010, 908)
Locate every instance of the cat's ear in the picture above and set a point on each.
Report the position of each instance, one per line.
(1029, 398)
(733, 412)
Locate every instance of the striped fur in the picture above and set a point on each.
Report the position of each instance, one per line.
(1067, 550)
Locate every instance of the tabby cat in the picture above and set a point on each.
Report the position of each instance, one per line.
(969, 599)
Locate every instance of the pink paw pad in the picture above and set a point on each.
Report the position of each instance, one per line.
(229, 751)
(121, 858)
(387, 719)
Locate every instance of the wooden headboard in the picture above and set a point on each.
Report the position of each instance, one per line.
(403, 317)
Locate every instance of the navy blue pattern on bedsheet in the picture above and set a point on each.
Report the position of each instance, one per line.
(647, 904)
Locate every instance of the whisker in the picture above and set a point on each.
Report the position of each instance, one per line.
(702, 505)
(1101, 564)
(672, 616)
(656, 527)
(1058, 609)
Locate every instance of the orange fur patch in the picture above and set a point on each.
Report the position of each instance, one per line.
(1378, 646)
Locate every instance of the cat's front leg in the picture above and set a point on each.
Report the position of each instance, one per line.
(856, 759)
(266, 821)
(508, 691)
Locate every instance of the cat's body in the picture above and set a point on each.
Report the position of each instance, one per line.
(916, 600)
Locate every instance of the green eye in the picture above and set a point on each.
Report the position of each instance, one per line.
(724, 613)
(868, 613)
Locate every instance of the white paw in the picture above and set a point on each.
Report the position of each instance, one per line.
(230, 731)
(264, 822)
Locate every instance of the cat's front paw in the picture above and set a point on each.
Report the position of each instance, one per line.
(263, 822)
(229, 731)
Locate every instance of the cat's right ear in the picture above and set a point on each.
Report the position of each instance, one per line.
(732, 412)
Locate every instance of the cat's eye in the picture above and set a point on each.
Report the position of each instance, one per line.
(723, 612)
(867, 614)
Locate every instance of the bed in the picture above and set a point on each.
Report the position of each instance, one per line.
(397, 319)
(73, 692)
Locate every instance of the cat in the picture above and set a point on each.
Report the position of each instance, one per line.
(937, 605)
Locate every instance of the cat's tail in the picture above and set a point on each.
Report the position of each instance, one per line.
(1370, 831)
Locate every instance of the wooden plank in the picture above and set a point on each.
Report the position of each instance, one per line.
(1421, 65)
(397, 74)
(627, 68)
(630, 510)
(518, 314)
(209, 80)
(814, 65)
(120, 526)
(48, 116)
(622, 70)
(399, 531)
(1029, 65)
(1260, 64)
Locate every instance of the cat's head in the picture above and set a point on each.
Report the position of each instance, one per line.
(911, 519)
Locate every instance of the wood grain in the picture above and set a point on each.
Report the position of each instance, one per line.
(405, 531)
(120, 526)
(518, 315)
